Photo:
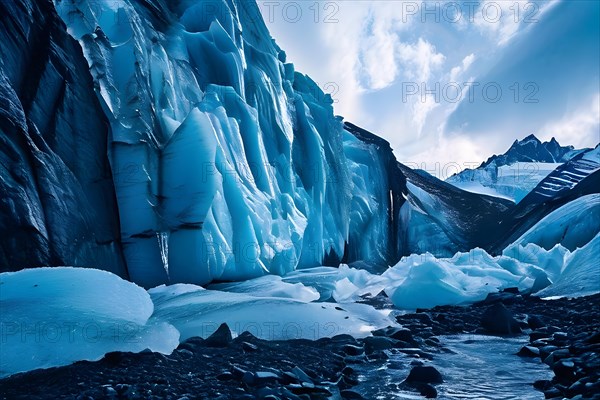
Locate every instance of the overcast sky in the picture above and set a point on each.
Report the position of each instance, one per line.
(495, 71)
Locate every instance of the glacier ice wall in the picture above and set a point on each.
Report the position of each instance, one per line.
(227, 163)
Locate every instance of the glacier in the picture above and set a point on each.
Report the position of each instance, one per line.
(580, 275)
(227, 163)
(573, 226)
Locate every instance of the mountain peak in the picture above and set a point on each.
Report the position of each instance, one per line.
(530, 139)
(531, 149)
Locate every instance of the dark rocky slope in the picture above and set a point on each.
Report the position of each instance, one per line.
(58, 203)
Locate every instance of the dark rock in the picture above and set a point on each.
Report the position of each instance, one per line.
(249, 346)
(416, 352)
(342, 338)
(248, 378)
(301, 375)
(428, 391)
(564, 370)
(535, 322)
(265, 377)
(500, 297)
(560, 336)
(237, 371)
(556, 355)
(185, 353)
(422, 317)
(221, 338)
(114, 357)
(542, 384)
(529, 351)
(595, 338)
(424, 374)
(498, 319)
(552, 393)
(535, 335)
(246, 336)
(225, 376)
(351, 395)
(395, 333)
(352, 350)
(378, 343)
(546, 350)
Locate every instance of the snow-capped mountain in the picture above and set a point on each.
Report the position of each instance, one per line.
(531, 149)
(514, 174)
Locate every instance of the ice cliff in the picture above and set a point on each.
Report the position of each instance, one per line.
(226, 163)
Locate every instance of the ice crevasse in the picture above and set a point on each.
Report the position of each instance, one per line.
(227, 163)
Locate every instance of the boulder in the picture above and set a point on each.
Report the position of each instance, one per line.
(497, 319)
(424, 374)
(221, 338)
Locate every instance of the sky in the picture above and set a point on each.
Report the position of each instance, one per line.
(451, 82)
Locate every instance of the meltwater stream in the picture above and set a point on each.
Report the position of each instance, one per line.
(477, 367)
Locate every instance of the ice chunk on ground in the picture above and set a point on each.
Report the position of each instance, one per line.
(341, 284)
(270, 286)
(423, 281)
(200, 312)
(581, 274)
(55, 316)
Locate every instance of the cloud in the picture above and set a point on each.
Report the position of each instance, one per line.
(449, 155)
(419, 60)
(580, 128)
(456, 72)
(377, 64)
(503, 20)
(374, 48)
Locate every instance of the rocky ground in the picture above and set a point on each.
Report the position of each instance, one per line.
(565, 334)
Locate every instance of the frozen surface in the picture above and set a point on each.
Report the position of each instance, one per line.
(343, 284)
(199, 312)
(270, 286)
(55, 316)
